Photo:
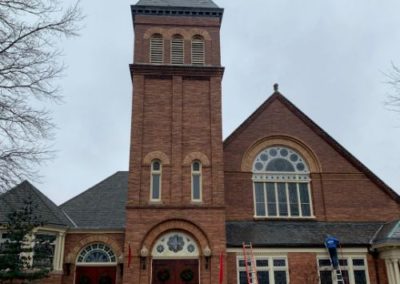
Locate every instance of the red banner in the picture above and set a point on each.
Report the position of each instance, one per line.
(221, 268)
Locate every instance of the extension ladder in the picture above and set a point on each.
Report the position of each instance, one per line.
(250, 264)
(339, 276)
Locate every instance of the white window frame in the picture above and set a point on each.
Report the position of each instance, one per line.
(349, 268)
(177, 39)
(270, 268)
(152, 174)
(199, 174)
(153, 45)
(267, 215)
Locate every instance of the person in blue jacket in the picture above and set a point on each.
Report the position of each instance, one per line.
(332, 244)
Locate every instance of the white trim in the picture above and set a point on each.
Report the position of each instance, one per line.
(350, 267)
(198, 173)
(154, 173)
(280, 251)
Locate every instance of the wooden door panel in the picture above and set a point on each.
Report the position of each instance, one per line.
(95, 275)
(175, 272)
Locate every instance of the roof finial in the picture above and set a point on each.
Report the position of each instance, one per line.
(276, 87)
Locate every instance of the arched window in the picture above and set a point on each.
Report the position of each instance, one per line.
(177, 49)
(155, 182)
(97, 253)
(156, 49)
(198, 50)
(281, 181)
(196, 181)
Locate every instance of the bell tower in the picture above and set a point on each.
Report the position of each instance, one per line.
(175, 187)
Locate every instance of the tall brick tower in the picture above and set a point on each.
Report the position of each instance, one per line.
(175, 216)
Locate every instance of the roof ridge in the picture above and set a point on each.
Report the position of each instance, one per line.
(90, 188)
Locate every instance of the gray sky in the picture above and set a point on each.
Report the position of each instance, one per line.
(328, 57)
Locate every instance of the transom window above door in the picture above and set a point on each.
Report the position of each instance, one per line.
(281, 184)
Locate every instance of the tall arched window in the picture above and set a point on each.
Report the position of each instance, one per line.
(177, 49)
(156, 49)
(198, 50)
(281, 180)
(155, 181)
(196, 181)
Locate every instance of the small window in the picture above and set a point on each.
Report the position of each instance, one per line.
(177, 50)
(354, 270)
(196, 181)
(198, 50)
(156, 49)
(155, 182)
(97, 253)
(269, 270)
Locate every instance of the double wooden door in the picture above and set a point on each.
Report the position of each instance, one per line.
(175, 271)
(95, 275)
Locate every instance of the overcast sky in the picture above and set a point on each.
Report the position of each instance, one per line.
(329, 58)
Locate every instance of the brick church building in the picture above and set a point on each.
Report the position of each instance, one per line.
(191, 199)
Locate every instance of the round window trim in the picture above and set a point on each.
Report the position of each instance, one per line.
(96, 253)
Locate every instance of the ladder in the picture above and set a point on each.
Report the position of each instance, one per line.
(339, 276)
(250, 264)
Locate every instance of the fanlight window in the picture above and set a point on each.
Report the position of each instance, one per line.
(176, 245)
(177, 50)
(281, 181)
(198, 50)
(97, 253)
(156, 49)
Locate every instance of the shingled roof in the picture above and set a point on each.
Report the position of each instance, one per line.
(14, 200)
(299, 233)
(389, 234)
(101, 206)
(178, 3)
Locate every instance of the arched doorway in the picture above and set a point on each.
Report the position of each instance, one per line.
(175, 259)
(96, 264)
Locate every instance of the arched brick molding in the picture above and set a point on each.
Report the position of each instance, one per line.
(176, 225)
(291, 142)
(73, 254)
(154, 30)
(196, 156)
(203, 33)
(177, 31)
(156, 155)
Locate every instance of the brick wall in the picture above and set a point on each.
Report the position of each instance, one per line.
(340, 191)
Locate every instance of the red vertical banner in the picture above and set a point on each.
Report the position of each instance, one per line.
(129, 256)
(221, 268)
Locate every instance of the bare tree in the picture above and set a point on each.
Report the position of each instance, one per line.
(30, 31)
(393, 101)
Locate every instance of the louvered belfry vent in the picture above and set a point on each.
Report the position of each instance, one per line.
(177, 50)
(157, 49)
(198, 50)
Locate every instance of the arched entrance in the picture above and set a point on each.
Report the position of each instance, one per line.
(96, 264)
(175, 259)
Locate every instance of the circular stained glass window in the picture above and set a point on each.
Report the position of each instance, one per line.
(284, 152)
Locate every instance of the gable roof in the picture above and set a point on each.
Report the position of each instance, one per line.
(277, 96)
(299, 233)
(178, 3)
(101, 206)
(13, 200)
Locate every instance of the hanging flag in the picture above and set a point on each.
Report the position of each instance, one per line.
(221, 268)
(129, 256)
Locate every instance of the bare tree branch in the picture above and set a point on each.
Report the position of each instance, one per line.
(393, 100)
(30, 31)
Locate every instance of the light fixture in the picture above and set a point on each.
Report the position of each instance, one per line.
(207, 256)
(121, 264)
(144, 253)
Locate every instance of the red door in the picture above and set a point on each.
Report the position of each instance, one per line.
(95, 275)
(175, 272)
